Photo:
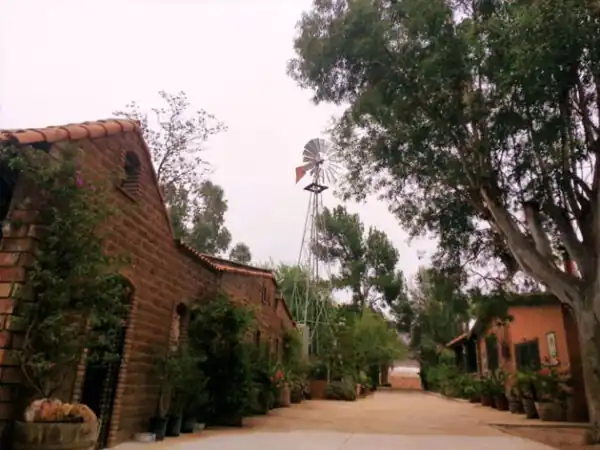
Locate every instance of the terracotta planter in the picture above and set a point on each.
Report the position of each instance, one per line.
(55, 436)
(486, 400)
(501, 402)
(476, 398)
(515, 405)
(284, 398)
(529, 408)
(550, 411)
(317, 389)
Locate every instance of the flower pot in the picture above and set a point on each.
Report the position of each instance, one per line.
(174, 425)
(55, 436)
(475, 398)
(529, 408)
(486, 400)
(284, 398)
(551, 411)
(501, 402)
(158, 426)
(297, 395)
(230, 420)
(515, 405)
(188, 425)
(317, 389)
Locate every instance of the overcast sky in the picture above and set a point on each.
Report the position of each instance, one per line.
(71, 61)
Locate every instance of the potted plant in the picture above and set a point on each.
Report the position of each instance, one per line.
(515, 404)
(498, 387)
(218, 329)
(524, 383)
(282, 387)
(548, 389)
(73, 306)
(318, 380)
(486, 391)
(187, 388)
(472, 390)
(53, 424)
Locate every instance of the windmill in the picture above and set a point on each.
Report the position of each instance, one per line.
(308, 304)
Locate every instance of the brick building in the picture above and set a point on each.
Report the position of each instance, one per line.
(164, 275)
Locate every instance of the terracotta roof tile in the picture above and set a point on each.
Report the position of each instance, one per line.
(71, 132)
(85, 130)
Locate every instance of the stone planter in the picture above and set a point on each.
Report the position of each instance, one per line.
(317, 389)
(515, 405)
(552, 411)
(529, 408)
(284, 398)
(55, 436)
(486, 400)
(501, 402)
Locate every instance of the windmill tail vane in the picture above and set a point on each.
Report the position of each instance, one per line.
(302, 170)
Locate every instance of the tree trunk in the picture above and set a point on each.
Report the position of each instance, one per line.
(589, 341)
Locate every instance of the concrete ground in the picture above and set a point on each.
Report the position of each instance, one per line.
(385, 420)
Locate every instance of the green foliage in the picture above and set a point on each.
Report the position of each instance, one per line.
(440, 309)
(466, 119)
(361, 343)
(294, 284)
(341, 390)
(367, 260)
(218, 329)
(176, 137)
(240, 253)
(73, 298)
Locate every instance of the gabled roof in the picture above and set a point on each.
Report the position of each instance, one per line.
(86, 130)
(111, 127)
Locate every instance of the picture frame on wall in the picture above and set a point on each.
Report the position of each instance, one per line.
(552, 350)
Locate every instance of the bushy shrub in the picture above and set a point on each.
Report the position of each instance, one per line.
(341, 390)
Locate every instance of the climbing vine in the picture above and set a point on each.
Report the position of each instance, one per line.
(73, 297)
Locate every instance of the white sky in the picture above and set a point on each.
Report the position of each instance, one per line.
(72, 61)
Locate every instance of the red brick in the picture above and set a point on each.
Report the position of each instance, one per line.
(5, 338)
(6, 305)
(12, 274)
(11, 375)
(6, 411)
(16, 244)
(8, 259)
(5, 394)
(5, 290)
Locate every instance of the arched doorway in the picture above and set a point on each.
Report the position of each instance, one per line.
(101, 378)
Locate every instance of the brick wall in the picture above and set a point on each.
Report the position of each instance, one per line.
(161, 274)
(272, 318)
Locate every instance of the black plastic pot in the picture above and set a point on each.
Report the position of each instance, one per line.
(188, 425)
(158, 426)
(174, 426)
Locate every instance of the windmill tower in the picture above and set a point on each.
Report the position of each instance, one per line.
(309, 303)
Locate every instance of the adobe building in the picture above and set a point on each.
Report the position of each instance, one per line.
(540, 331)
(164, 275)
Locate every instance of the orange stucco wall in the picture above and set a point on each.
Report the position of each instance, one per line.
(529, 323)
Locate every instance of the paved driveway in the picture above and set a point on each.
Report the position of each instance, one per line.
(386, 420)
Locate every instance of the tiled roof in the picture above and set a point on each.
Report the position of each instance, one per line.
(70, 132)
(85, 130)
(224, 265)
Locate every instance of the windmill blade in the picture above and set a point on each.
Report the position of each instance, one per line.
(302, 170)
(315, 149)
